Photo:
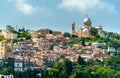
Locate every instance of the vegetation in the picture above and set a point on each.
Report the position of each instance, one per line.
(2, 37)
(6, 71)
(81, 61)
(87, 39)
(109, 68)
(82, 69)
(66, 34)
(14, 40)
(111, 39)
(50, 31)
(13, 31)
(94, 32)
(23, 34)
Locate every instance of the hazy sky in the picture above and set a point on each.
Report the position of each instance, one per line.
(59, 14)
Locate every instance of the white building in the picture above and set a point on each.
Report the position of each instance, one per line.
(95, 44)
(33, 33)
(6, 76)
(111, 49)
(18, 65)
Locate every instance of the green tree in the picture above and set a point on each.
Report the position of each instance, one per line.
(114, 43)
(53, 73)
(6, 71)
(118, 49)
(14, 40)
(2, 37)
(113, 62)
(61, 68)
(66, 34)
(94, 32)
(23, 34)
(28, 37)
(81, 61)
(13, 31)
(83, 41)
(50, 31)
(68, 67)
(74, 36)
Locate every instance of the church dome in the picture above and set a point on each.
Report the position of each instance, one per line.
(87, 22)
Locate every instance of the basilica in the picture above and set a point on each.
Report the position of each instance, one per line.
(84, 30)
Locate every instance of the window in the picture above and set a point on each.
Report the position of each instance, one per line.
(2, 77)
(2, 45)
(18, 65)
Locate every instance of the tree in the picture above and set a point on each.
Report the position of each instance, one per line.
(77, 72)
(105, 33)
(81, 72)
(96, 69)
(2, 37)
(64, 67)
(74, 36)
(14, 40)
(81, 61)
(50, 31)
(6, 71)
(94, 32)
(53, 73)
(28, 37)
(118, 49)
(13, 31)
(66, 34)
(61, 68)
(114, 43)
(68, 67)
(83, 41)
(23, 34)
(113, 62)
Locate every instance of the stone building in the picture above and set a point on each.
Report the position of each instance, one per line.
(84, 30)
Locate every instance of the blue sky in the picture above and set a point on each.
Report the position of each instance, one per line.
(59, 14)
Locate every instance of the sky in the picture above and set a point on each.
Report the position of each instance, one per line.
(59, 14)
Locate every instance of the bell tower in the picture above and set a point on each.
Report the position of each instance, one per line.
(74, 28)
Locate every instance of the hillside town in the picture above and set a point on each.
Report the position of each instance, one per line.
(23, 49)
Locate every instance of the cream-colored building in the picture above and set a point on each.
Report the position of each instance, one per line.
(49, 36)
(33, 33)
(37, 60)
(3, 47)
(84, 30)
(9, 50)
(8, 35)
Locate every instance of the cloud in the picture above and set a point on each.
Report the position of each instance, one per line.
(87, 5)
(24, 7)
